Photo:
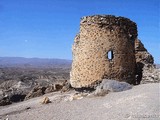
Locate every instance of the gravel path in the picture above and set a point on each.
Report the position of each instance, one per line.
(140, 103)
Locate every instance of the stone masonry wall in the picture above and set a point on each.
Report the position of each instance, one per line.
(100, 35)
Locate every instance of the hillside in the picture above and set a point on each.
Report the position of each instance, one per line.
(133, 104)
(18, 76)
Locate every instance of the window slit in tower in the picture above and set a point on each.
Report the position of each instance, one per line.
(110, 55)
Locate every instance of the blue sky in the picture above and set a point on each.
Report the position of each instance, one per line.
(46, 28)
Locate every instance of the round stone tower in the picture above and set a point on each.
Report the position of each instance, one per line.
(104, 48)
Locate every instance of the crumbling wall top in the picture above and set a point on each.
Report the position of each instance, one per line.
(105, 19)
(109, 21)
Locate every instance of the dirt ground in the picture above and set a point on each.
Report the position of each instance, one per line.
(142, 102)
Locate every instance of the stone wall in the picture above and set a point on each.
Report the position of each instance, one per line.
(98, 37)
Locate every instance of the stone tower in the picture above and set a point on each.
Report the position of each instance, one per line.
(104, 48)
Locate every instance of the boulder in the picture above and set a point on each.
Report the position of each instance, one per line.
(111, 86)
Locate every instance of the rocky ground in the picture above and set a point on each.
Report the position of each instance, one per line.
(140, 102)
(17, 84)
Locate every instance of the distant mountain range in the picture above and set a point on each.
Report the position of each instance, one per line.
(158, 65)
(34, 62)
(37, 62)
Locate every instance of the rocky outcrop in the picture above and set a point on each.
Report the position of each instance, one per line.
(146, 71)
(36, 92)
(53, 88)
(11, 95)
(141, 53)
(4, 101)
(62, 86)
(16, 91)
(8, 84)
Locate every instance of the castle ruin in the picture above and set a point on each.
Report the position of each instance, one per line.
(104, 48)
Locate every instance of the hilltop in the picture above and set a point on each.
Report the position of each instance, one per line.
(141, 102)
